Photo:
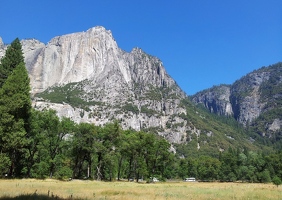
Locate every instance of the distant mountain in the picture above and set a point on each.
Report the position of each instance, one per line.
(254, 100)
(85, 76)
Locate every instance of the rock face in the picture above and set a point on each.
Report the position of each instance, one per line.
(73, 58)
(132, 87)
(94, 55)
(216, 100)
(249, 99)
(32, 48)
(245, 97)
(276, 125)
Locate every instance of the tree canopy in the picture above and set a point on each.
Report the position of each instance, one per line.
(13, 57)
(15, 108)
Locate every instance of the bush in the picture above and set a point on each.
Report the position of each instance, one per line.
(64, 173)
(276, 181)
(40, 170)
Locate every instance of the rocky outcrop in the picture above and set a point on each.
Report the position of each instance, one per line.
(32, 48)
(245, 97)
(215, 99)
(94, 55)
(276, 125)
(73, 58)
(2, 48)
(256, 94)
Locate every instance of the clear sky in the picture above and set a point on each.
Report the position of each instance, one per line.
(200, 42)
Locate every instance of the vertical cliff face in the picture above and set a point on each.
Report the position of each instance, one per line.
(32, 48)
(216, 100)
(245, 97)
(73, 58)
(241, 100)
(94, 55)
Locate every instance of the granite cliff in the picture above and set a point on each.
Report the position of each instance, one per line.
(216, 100)
(110, 83)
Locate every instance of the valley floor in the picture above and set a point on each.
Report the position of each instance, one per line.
(77, 189)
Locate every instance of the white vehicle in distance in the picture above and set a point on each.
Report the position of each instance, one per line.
(191, 179)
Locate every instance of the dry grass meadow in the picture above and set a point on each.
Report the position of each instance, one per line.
(77, 189)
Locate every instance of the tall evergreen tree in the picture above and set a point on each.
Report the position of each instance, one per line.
(13, 57)
(15, 108)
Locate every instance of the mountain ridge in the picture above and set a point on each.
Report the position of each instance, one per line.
(86, 77)
(250, 97)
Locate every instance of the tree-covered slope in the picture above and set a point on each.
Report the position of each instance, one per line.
(193, 131)
(216, 134)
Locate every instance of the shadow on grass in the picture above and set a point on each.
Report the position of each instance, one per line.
(36, 197)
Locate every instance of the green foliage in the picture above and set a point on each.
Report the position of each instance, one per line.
(15, 107)
(64, 173)
(272, 86)
(208, 168)
(264, 176)
(131, 108)
(232, 165)
(276, 181)
(188, 168)
(154, 94)
(40, 170)
(13, 57)
(164, 92)
(216, 132)
(83, 149)
(5, 163)
(70, 93)
(60, 148)
(149, 112)
(48, 144)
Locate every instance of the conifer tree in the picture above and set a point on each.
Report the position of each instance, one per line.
(15, 108)
(13, 57)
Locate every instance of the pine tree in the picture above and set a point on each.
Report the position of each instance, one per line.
(13, 57)
(15, 109)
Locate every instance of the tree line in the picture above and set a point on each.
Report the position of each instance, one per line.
(62, 149)
(39, 144)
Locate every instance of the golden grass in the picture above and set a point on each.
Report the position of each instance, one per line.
(132, 190)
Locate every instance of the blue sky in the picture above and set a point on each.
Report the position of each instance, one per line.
(201, 42)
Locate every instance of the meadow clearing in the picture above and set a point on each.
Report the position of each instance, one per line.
(78, 189)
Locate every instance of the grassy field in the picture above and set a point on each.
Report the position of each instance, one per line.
(76, 189)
